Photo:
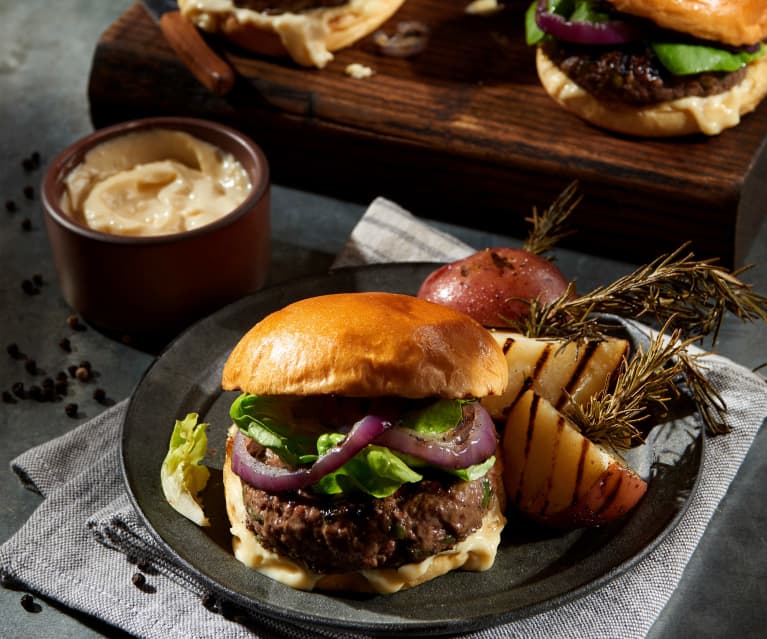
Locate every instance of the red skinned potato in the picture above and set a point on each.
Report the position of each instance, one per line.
(558, 477)
(494, 286)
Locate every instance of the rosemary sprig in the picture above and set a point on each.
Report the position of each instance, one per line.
(548, 228)
(690, 295)
(645, 385)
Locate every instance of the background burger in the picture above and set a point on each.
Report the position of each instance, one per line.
(360, 458)
(306, 30)
(652, 68)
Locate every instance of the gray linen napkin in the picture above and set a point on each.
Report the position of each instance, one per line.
(84, 543)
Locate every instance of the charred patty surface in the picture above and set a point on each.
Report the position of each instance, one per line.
(330, 534)
(286, 6)
(633, 74)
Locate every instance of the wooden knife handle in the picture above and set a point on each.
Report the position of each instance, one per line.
(209, 68)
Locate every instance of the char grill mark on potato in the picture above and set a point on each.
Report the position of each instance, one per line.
(275, 7)
(580, 368)
(633, 75)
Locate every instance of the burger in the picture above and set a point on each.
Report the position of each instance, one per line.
(306, 30)
(653, 68)
(360, 458)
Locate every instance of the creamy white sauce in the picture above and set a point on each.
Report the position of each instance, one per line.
(154, 182)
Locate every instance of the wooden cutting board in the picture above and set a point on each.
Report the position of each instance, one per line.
(462, 133)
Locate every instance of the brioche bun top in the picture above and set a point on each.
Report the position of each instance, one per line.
(733, 22)
(367, 345)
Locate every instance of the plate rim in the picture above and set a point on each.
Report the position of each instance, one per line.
(418, 627)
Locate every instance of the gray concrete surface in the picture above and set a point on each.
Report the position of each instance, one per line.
(45, 56)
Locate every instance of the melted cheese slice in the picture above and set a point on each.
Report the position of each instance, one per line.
(710, 115)
(308, 37)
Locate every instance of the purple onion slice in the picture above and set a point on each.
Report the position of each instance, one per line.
(275, 479)
(579, 32)
(473, 441)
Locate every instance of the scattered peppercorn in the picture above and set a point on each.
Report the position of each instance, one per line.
(31, 366)
(65, 345)
(8, 398)
(85, 364)
(35, 392)
(61, 387)
(26, 224)
(71, 410)
(18, 390)
(99, 395)
(208, 600)
(29, 192)
(13, 350)
(72, 370)
(35, 157)
(47, 382)
(138, 579)
(29, 288)
(28, 603)
(27, 164)
(10, 206)
(75, 324)
(37, 279)
(83, 374)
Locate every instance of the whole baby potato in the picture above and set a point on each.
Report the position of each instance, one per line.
(495, 285)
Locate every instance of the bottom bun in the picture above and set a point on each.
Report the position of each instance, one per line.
(477, 552)
(308, 37)
(710, 115)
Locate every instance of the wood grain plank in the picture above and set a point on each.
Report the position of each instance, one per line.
(463, 132)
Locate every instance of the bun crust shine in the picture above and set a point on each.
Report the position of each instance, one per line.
(308, 37)
(367, 345)
(733, 22)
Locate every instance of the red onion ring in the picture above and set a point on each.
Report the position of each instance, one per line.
(473, 441)
(578, 32)
(275, 479)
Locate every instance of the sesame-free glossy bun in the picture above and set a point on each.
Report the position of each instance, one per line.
(367, 345)
(733, 22)
(710, 115)
(308, 37)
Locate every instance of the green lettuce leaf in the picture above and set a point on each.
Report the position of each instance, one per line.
(375, 470)
(182, 475)
(689, 59)
(678, 58)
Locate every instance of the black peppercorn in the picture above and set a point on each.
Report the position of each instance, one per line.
(13, 350)
(99, 395)
(31, 366)
(35, 392)
(28, 603)
(37, 279)
(72, 370)
(75, 324)
(71, 410)
(8, 398)
(47, 383)
(26, 224)
(29, 192)
(29, 288)
(65, 345)
(85, 364)
(10, 206)
(209, 601)
(138, 579)
(18, 390)
(61, 387)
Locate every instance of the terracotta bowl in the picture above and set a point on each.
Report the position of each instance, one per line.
(149, 288)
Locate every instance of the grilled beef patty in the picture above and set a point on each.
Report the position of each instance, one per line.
(633, 74)
(340, 534)
(286, 6)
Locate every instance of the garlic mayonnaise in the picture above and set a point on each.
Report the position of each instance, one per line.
(154, 182)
